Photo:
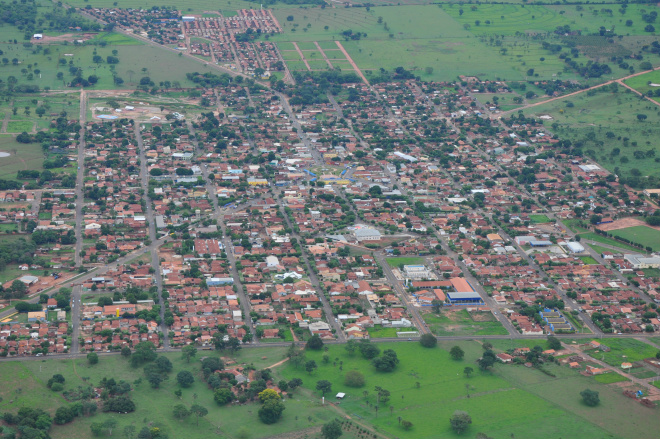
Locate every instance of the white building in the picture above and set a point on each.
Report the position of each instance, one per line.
(272, 261)
(575, 247)
(366, 234)
(641, 261)
(416, 271)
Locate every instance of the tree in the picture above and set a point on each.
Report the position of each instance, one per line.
(223, 395)
(93, 358)
(428, 341)
(324, 386)
(267, 394)
(110, 423)
(154, 379)
(387, 362)
(354, 378)
(314, 343)
(487, 360)
(63, 415)
(436, 305)
(369, 350)
(332, 429)
(97, 428)
(199, 411)
(590, 397)
(554, 343)
(18, 288)
(185, 378)
(180, 412)
(129, 431)
(468, 371)
(125, 351)
(351, 346)
(407, 425)
(460, 421)
(310, 366)
(271, 411)
(188, 351)
(295, 383)
(457, 353)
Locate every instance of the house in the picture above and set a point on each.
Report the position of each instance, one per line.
(504, 358)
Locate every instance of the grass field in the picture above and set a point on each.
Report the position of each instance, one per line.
(539, 219)
(395, 262)
(588, 260)
(642, 235)
(22, 156)
(624, 350)
(511, 402)
(610, 378)
(591, 118)
(591, 236)
(154, 406)
(380, 332)
(464, 323)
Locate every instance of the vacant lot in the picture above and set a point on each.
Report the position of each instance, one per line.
(463, 322)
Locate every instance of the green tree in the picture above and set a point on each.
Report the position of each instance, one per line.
(457, 353)
(428, 341)
(468, 371)
(590, 397)
(185, 378)
(93, 358)
(180, 412)
(188, 351)
(332, 429)
(354, 378)
(271, 411)
(63, 415)
(310, 366)
(324, 386)
(351, 346)
(199, 411)
(460, 421)
(554, 343)
(314, 343)
(223, 395)
(109, 424)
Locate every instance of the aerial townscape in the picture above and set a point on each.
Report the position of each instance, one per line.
(324, 219)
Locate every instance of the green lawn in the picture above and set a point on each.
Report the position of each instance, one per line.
(462, 323)
(576, 225)
(395, 262)
(641, 235)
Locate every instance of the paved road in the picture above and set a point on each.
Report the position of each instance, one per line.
(80, 180)
(76, 311)
(155, 261)
(226, 242)
(396, 286)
